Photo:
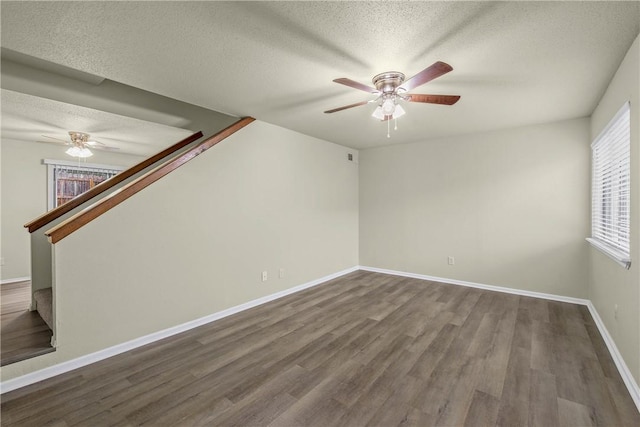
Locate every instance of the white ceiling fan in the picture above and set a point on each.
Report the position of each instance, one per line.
(79, 143)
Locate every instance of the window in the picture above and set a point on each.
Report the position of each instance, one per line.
(610, 189)
(68, 179)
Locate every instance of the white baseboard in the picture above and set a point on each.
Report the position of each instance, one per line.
(61, 368)
(14, 280)
(623, 369)
(480, 286)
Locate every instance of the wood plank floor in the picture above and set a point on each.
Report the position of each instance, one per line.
(364, 349)
(23, 333)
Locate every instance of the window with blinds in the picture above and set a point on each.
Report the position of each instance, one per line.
(68, 180)
(610, 189)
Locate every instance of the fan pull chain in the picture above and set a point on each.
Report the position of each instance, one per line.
(395, 123)
(388, 136)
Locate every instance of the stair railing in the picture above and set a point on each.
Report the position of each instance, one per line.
(56, 213)
(90, 213)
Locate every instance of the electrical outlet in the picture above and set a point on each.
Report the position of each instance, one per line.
(451, 260)
(264, 276)
(281, 273)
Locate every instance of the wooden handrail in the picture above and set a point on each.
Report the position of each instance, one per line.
(56, 213)
(83, 217)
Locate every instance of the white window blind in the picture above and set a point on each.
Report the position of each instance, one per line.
(610, 191)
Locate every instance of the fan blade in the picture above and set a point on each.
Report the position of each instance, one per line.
(434, 99)
(101, 145)
(54, 142)
(66, 141)
(426, 75)
(355, 85)
(347, 106)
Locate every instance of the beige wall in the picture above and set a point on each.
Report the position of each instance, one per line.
(24, 195)
(196, 242)
(610, 284)
(511, 206)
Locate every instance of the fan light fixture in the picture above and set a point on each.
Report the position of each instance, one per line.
(79, 148)
(396, 111)
(389, 109)
(81, 152)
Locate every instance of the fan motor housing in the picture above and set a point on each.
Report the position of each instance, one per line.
(388, 81)
(78, 137)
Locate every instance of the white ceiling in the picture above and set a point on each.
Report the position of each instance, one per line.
(34, 119)
(515, 63)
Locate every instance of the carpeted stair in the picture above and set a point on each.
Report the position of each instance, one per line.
(44, 305)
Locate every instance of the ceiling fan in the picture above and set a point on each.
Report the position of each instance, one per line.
(79, 143)
(391, 87)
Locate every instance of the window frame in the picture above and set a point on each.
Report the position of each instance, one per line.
(51, 181)
(612, 200)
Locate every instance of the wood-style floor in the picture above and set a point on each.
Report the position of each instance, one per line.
(23, 333)
(364, 349)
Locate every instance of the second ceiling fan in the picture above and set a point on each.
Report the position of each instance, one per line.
(79, 143)
(391, 87)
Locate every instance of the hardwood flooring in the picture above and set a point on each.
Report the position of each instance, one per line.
(23, 333)
(364, 349)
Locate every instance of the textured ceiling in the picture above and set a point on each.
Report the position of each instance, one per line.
(34, 119)
(515, 63)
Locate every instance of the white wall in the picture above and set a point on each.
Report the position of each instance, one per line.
(24, 195)
(511, 206)
(610, 284)
(196, 242)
